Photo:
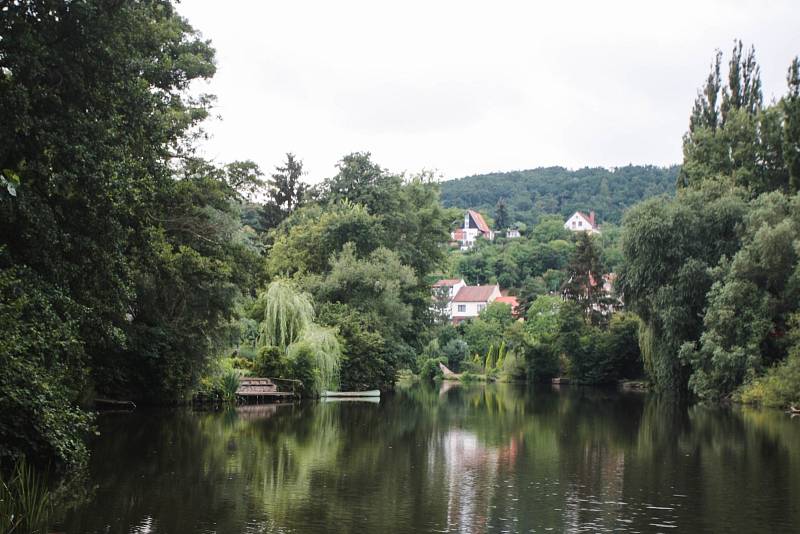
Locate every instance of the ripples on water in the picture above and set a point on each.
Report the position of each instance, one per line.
(464, 459)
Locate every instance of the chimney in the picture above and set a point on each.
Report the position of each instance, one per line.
(591, 219)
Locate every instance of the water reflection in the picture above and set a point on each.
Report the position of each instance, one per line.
(464, 459)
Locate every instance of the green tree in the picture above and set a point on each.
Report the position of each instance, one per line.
(501, 215)
(113, 212)
(669, 247)
(306, 351)
(378, 285)
(584, 280)
(791, 134)
(750, 303)
(308, 239)
(541, 318)
(286, 191)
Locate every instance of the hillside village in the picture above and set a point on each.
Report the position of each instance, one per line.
(458, 301)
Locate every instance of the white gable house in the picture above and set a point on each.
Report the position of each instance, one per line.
(474, 227)
(580, 222)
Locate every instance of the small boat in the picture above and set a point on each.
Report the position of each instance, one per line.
(370, 400)
(370, 393)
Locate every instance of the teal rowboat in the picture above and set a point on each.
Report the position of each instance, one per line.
(370, 393)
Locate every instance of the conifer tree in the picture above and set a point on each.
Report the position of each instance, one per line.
(501, 215)
(791, 126)
(584, 284)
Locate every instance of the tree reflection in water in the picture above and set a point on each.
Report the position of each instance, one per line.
(468, 458)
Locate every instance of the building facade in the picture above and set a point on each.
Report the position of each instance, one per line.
(470, 301)
(580, 222)
(474, 228)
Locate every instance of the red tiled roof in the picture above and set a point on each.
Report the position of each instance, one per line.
(458, 234)
(447, 282)
(478, 218)
(474, 294)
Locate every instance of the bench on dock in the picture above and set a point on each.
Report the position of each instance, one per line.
(250, 387)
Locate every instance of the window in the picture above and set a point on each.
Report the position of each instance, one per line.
(481, 307)
(580, 223)
(462, 308)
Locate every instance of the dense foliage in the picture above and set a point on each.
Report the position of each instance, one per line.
(363, 245)
(572, 326)
(524, 196)
(122, 255)
(713, 274)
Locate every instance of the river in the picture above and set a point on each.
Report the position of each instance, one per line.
(495, 458)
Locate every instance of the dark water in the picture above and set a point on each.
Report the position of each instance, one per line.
(468, 459)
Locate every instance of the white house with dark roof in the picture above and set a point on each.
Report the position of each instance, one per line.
(580, 222)
(470, 301)
(474, 227)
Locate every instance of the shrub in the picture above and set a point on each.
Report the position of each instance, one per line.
(542, 362)
(779, 387)
(270, 362)
(227, 385)
(430, 370)
(513, 366)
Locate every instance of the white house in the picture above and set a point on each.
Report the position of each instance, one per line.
(580, 222)
(512, 233)
(471, 300)
(474, 227)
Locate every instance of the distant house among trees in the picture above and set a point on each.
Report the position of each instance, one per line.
(512, 233)
(454, 300)
(470, 301)
(474, 227)
(580, 222)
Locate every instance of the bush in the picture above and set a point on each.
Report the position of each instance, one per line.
(455, 352)
(513, 366)
(270, 362)
(779, 387)
(542, 362)
(429, 368)
(227, 385)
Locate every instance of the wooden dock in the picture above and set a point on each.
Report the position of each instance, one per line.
(262, 389)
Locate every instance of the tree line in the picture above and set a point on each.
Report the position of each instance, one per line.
(524, 197)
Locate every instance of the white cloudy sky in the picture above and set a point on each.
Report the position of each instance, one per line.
(468, 87)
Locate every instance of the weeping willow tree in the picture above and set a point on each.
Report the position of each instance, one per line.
(287, 314)
(317, 351)
(311, 352)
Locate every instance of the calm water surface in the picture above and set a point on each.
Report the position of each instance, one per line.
(458, 459)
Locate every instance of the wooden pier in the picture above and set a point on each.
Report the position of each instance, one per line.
(263, 389)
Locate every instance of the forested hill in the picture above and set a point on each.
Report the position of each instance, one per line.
(527, 194)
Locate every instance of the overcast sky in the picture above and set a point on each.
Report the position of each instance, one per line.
(471, 87)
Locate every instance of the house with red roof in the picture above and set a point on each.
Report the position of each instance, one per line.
(470, 301)
(475, 227)
(580, 222)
